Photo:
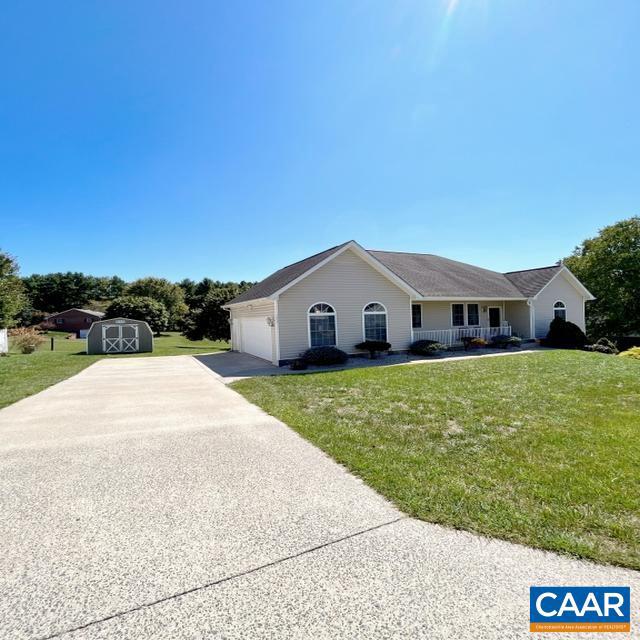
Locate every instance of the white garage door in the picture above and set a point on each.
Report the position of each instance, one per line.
(256, 337)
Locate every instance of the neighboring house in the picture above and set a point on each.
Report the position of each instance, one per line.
(347, 294)
(75, 321)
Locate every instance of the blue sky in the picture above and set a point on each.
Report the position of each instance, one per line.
(192, 139)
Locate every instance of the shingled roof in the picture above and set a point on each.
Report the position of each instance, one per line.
(530, 281)
(434, 276)
(430, 275)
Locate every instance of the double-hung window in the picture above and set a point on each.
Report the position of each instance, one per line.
(374, 319)
(416, 316)
(322, 325)
(473, 315)
(470, 319)
(457, 315)
(560, 310)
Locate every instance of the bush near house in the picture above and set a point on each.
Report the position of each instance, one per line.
(603, 345)
(633, 353)
(564, 335)
(373, 347)
(474, 343)
(324, 356)
(504, 341)
(426, 347)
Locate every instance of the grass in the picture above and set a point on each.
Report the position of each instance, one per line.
(23, 375)
(541, 449)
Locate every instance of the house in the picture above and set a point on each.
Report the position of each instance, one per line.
(347, 294)
(75, 321)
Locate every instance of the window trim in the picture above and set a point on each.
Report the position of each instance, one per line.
(419, 305)
(464, 315)
(479, 323)
(556, 307)
(335, 322)
(379, 313)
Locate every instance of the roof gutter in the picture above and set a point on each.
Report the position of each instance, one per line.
(466, 298)
(245, 303)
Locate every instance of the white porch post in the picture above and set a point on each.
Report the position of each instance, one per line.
(532, 319)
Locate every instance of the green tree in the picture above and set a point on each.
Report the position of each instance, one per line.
(609, 266)
(188, 287)
(53, 292)
(108, 288)
(165, 292)
(140, 308)
(209, 319)
(12, 298)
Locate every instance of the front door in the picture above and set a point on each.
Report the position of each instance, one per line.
(120, 338)
(494, 316)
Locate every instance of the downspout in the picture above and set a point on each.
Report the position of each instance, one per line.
(276, 322)
(532, 319)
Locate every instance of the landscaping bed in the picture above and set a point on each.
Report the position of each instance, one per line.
(541, 449)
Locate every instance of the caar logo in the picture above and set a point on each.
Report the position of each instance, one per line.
(580, 609)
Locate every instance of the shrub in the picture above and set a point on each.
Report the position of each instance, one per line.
(564, 335)
(426, 347)
(598, 348)
(324, 355)
(473, 343)
(418, 347)
(27, 339)
(504, 341)
(633, 353)
(603, 345)
(373, 346)
(298, 365)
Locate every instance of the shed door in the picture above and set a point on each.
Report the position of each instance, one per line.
(120, 338)
(256, 337)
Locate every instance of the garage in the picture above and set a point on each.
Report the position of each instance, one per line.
(254, 336)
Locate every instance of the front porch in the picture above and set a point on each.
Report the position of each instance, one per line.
(450, 337)
(450, 321)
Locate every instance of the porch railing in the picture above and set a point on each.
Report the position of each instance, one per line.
(454, 336)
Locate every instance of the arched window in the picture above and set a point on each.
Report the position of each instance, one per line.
(560, 310)
(322, 325)
(374, 321)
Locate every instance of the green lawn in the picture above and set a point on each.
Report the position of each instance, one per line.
(23, 375)
(541, 449)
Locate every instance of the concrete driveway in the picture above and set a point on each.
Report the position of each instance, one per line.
(145, 499)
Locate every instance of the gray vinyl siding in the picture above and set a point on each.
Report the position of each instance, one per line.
(256, 309)
(347, 283)
(558, 289)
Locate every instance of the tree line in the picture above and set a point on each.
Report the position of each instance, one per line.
(608, 265)
(195, 308)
